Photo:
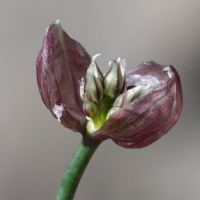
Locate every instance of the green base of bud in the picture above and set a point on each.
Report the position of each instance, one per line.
(98, 120)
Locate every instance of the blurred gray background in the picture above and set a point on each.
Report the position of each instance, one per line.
(35, 149)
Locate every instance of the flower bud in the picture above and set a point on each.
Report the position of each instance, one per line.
(93, 86)
(114, 79)
(128, 97)
(95, 69)
(112, 111)
(89, 107)
(131, 95)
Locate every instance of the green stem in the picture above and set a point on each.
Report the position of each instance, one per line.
(76, 168)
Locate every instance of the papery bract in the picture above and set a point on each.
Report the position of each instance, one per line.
(61, 63)
(148, 117)
(137, 121)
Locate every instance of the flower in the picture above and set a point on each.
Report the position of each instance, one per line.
(133, 109)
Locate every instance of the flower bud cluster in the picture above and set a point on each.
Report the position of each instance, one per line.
(101, 91)
(103, 95)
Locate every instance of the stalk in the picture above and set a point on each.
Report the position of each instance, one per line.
(75, 170)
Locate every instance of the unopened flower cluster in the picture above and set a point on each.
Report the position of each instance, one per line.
(102, 95)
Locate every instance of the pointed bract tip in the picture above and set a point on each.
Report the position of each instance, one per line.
(94, 57)
(47, 30)
(57, 21)
(169, 71)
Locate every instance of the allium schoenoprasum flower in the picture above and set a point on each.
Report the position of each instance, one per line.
(134, 109)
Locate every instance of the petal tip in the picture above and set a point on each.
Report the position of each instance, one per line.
(95, 56)
(119, 60)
